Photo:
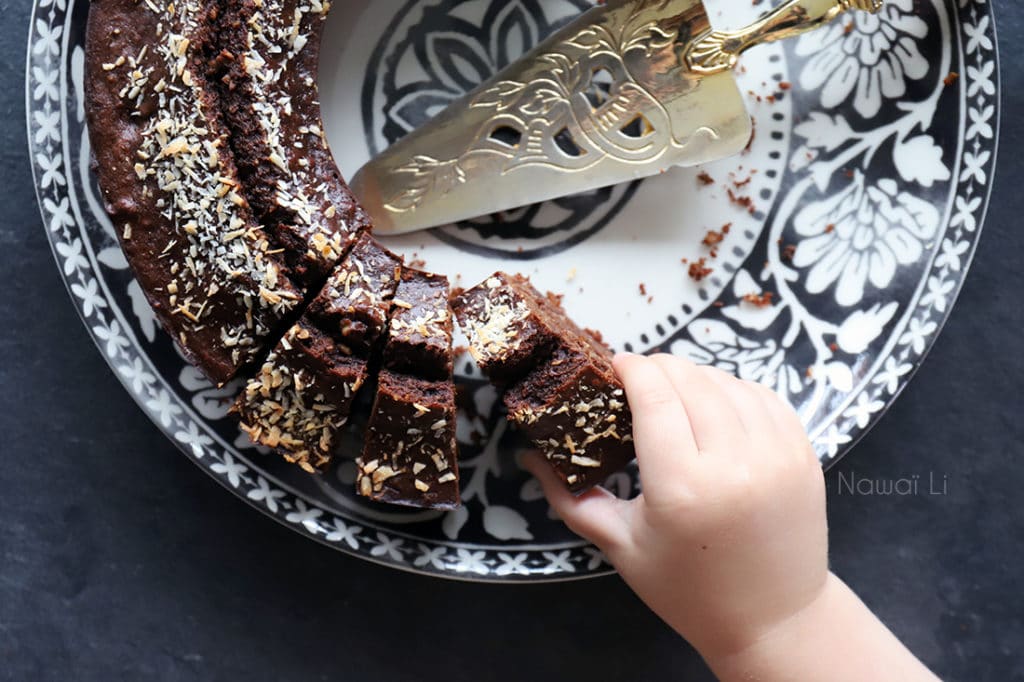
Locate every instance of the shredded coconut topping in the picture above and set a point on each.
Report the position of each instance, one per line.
(180, 159)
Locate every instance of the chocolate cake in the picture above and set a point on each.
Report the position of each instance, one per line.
(301, 398)
(168, 181)
(266, 73)
(507, 323)
(420, 336)
(410, 454)
(355, 303)
(303, 394)
(563, 392)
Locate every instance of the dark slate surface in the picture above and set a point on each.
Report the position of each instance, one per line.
(119, 560)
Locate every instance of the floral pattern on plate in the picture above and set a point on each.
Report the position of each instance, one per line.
(869, 230)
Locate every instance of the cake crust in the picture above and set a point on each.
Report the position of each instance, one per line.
(170, 186)
(420, 335)
(408, 457)
(266, 75)
(301, 398)
(562, 391)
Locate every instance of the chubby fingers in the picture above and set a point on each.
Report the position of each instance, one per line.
(596, 515)
(665, 445)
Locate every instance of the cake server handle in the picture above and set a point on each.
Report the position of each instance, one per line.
(717, 51)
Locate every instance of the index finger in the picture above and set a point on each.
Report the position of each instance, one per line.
(665, 447)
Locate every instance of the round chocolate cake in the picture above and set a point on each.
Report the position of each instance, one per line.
(204, 118)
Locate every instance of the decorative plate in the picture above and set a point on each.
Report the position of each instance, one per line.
(857, 207)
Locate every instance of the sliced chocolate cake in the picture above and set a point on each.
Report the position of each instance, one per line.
(410, 454)
(169, 183)
(564, 394)
(303, 394)
(355, 303)
(266, 72)
(507, 323)
(420, 336)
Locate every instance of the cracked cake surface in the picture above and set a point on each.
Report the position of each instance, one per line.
(410, 452)
(265, 70)
(303, 395)
(170, 186)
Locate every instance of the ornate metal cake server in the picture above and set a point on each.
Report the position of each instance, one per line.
(629, 89)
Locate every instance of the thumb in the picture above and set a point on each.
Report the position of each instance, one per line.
(597, 516)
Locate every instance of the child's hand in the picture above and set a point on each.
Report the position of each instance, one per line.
(729, 537)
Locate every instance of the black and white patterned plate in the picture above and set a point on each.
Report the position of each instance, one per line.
(868, 181)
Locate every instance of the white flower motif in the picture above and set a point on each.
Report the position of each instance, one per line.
(305, 515)
(59, 4)
(977, 36)
(51, 166)
(231, 468)
(60, 213)
(917, 334)
(597, 558)
(512, 564)
(472, 561)
(559, 562)
(974, 166)
(137, 374)
(938, 293)
(165, 408)
(265, 494)
(981, 125)
(46, 83)
(965, 210)
(92, 300)
(833, 439)
(430, 556)
(891, 373)
(192, 437)
(342, 533)
(952, 252)
(860, 235)
(113, 337)
(72, 254)
(872, 61)
(49, 38)
(48, 123)
(388, 546)
(862, 411)
(981, 79)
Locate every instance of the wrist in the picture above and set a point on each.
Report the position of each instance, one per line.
(749, 642)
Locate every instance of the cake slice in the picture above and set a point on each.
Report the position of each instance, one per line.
(420, 334)
(573, 408)
(356, 300)
(562, 391)
(303, 395)
(410, 454)
(508, 325)
(169, 183)
(265, 66)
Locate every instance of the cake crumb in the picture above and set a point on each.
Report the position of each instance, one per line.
(705, 179)
(699, 270)
(951, 78)
(760, 300)
(713, 238)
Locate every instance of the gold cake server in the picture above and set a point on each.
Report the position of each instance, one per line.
(627, 90)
